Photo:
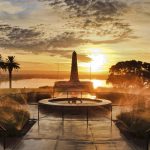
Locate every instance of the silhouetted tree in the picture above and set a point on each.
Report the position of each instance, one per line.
(11, 64)
(2, 64)
(132, 74)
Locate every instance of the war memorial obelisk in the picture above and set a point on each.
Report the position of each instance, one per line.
(74, 68)
(74, 83)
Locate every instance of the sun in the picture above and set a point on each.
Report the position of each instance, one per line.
(97, 61)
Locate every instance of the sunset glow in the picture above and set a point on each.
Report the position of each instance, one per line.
(97, 62)
(96, 83)
(74, 74)
(99, 83)
(107, 33)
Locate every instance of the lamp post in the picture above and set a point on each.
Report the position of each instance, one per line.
(58, 71)
(90, 72)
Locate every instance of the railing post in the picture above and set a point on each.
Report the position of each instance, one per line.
(53, 91)
(111, 115)
(4, 132)
(147, 143)
(147, 139)
(62, 114)
(4, 142)
(38, 115)
(87, 117)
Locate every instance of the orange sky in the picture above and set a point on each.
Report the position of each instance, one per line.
(43, 33)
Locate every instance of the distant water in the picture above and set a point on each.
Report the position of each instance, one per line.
(35, 83)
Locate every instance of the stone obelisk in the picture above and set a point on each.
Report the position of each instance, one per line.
(74, 68)
(74, 83)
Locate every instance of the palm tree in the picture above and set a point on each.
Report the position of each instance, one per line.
(2, 64)
(11, 64)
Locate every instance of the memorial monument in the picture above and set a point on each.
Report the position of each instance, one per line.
(74, 68)
(74, 83)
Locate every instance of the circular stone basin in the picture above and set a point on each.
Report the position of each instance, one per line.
(75, 102)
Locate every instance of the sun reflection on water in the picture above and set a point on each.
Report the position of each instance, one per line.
(99, 83)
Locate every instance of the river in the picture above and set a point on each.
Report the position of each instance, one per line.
(36, 82)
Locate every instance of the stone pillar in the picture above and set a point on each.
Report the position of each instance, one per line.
(74, 68)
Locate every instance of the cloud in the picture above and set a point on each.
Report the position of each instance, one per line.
(71, 39)
(18, 38)
(104, 17)
(68, 53)
(84, 58)
(66, 39)
(11, 8)
(34, 41)
(22, 34)
(90, 7)
(86, 22)
(63, 53)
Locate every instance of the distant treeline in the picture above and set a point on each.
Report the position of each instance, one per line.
(21, 76)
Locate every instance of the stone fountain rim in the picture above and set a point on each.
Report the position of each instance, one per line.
(51, 102)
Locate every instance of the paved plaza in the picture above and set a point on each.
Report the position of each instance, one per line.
(72, 134)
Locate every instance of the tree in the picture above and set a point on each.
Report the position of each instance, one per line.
(11, 64)
(2, 64)
(130, 74)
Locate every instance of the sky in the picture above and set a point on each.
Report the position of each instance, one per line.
(42, 34)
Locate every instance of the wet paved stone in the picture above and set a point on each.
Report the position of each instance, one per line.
(73, 134)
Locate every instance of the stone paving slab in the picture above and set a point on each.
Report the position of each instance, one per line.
(73, 135)
(119, 145)
(38, 144)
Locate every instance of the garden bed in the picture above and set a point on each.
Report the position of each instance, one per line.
(135, 123)
(14, 116)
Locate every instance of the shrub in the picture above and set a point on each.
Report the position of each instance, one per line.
(137, 123)
(36, 96)
(13, 115)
